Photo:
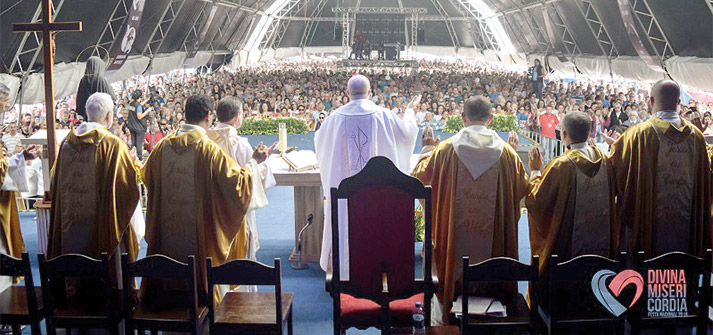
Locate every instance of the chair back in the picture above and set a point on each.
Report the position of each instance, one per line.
(245, 272)
(14, 267)
(499, 270)
(162, 267)
(573, 278)
(676, 278)
(55, 271)
(381, 208)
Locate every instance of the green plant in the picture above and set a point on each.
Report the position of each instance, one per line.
(500, 123)
(270, 126)
(419, 225)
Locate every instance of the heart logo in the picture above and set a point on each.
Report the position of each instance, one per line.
(607, 294)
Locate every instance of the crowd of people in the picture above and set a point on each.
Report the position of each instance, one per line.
(313, 90)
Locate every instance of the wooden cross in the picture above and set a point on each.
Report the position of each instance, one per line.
(47, 27)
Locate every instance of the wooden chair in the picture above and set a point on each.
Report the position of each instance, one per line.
(91, 307)
(184, 316)
(382, 290)
(563, 276)
(501, 270)
(249, 312)
(20, 305)
(698, 276)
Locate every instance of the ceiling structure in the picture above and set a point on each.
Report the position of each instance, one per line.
(652, 31)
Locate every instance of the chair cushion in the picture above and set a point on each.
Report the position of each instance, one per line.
(364, 311)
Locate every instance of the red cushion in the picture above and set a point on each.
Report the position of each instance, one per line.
(364, 311)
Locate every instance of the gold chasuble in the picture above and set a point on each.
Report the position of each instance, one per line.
(94, 193)
(663, 182)
(471, 216)
(571, 208)
(12, 235)
(197, 200)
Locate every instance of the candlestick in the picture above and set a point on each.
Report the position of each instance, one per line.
(283, 138)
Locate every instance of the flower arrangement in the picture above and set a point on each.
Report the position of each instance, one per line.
(269, 126)
(419, 224)
(500, 123)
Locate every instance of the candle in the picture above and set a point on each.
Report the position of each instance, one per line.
(283, 137)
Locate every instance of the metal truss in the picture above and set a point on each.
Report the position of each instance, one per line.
(170, 13)
(483, 35)
(512, 28)
(449, 24)
(656, 37)
(436, 18)
(542, 41)
(310, 24)
(414, 30)
(190, 41)
(379, 10)
(235, 4)
(597, 28)
(110, 34)
(566, 37)
(356, 9)
(406, 39)
(276, 24)
(31, 42)
(346, 33)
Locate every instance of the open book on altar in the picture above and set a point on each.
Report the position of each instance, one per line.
(300, 161)
(480, 306)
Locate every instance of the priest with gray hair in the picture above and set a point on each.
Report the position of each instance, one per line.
(351, 136)
(95, 193)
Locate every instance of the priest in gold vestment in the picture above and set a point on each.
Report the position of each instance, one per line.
(95, 191)
(663, 180)
(230, 114)
(13, 177)
(571, 206)
(478, 181)
(197, 200)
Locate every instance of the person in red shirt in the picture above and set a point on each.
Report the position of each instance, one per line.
(152, 137)
(549, 122)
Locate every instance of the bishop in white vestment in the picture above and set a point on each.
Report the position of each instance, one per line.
(346, 141)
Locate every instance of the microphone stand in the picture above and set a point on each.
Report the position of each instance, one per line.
(299, 265)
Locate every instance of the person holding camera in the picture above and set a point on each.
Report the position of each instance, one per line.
(536, 74)
(137, 122)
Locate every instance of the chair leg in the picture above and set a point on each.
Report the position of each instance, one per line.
(35, 328)
(289, 323)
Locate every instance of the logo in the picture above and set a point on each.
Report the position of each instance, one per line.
(607, 294)
(666, 291)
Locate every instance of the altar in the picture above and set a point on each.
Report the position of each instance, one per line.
(309, 199)
(43, 207)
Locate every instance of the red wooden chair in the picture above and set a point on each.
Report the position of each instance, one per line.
(382, 289)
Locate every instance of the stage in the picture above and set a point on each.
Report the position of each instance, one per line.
(361, 63)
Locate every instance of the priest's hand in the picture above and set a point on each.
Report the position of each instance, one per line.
(429, 138)
(535, 159)
(132, 152)
(272, 148)
(610, 136)
(414, 102)
(513, 139)
(32, 152)
(261, 153)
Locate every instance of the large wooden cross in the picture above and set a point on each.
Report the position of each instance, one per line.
(47, 27)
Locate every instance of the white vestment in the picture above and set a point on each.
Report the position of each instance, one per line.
(241, 151)
(349, 137)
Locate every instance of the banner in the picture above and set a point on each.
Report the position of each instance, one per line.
(204, 31)
(121, 50)
(556, 43)
(628, 18)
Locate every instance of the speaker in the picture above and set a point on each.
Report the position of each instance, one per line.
(421, 35)
(338, 32)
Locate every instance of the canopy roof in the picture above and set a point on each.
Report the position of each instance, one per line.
(202, 31)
